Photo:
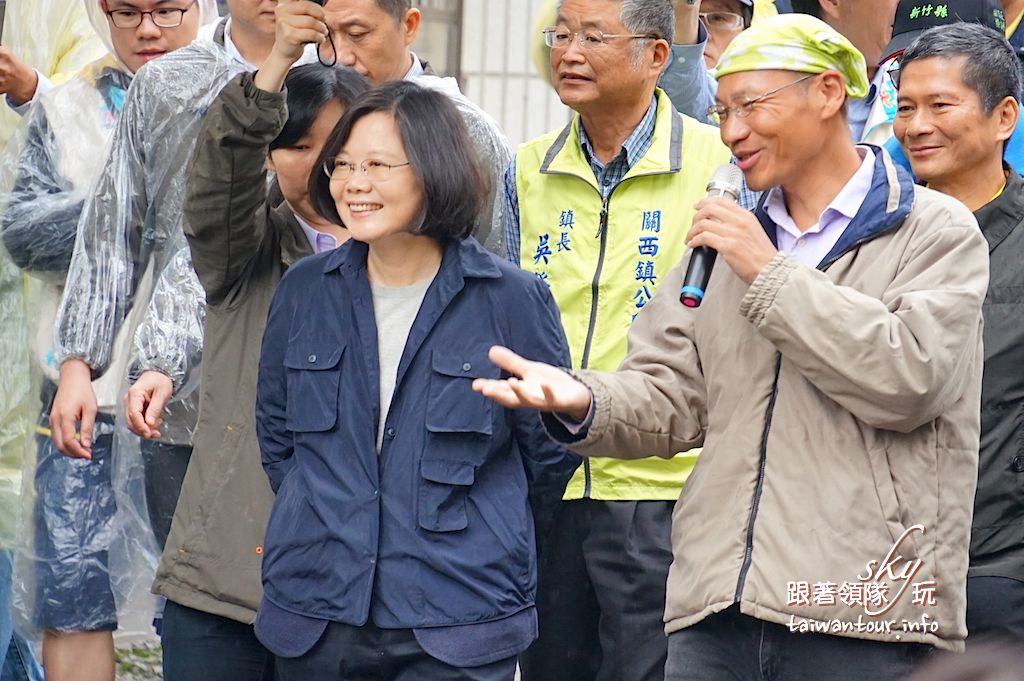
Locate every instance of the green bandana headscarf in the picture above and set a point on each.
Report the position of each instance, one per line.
(796, 42)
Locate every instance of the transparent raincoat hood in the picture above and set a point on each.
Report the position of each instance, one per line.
(98, 19)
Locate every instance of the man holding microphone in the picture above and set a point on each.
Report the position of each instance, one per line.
(832, 376)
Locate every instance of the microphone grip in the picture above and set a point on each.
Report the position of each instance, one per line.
(698, 274)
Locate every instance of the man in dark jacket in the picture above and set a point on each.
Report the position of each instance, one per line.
(958, 104)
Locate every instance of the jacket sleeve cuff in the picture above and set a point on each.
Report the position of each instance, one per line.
(567, 432)
(261, 98)
(761, 294)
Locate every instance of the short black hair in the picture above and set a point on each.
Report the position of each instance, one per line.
(812, 7)
(396, 8)
(310, 87)
(992, 69)
(440, 152)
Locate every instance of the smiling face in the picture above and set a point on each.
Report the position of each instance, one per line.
(942, 124)
(370, 40)
(136, 46)
(774, 142)
(382, 210)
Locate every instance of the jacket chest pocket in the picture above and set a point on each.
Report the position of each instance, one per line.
(452, 406)
(459, 426)
(314, 378)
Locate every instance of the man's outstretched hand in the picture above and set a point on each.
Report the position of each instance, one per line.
(534, 385)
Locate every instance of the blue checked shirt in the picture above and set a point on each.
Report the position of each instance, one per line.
(633, 149)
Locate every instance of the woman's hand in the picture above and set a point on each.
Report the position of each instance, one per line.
(534, 385)
(299, 23)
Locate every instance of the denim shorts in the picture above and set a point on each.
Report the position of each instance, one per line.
(73, 525)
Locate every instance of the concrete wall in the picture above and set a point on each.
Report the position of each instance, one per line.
(496, 70)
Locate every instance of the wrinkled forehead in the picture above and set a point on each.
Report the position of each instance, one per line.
(596, 14)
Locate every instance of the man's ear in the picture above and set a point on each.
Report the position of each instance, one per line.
(270, 162)
(661, 52)
(411, 25)
(1007, 113)
(830, 9)
(832, 87)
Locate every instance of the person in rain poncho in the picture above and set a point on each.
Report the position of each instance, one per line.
(44, 43)
(50, 167)
(124, 269)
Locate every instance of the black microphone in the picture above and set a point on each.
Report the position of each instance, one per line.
(727, 180)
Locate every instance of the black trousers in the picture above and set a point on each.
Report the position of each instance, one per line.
(165, 467)
(995, 610)
(601, 593)
(199, 646)
(730, 646)
(368, 653)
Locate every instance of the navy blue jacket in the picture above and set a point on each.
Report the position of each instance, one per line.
(438, 529)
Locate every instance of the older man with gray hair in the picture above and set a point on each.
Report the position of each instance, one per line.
(597, 209)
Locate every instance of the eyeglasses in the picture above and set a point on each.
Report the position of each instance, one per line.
(167, 17)
(722, 22)
(720, 113)
(341, 170)
(893, 72)
(559, 37)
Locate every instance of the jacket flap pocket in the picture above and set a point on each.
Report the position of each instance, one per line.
(313, 355)
(448, 472)
(463, 365)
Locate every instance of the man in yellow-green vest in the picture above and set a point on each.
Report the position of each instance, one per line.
(600, 210)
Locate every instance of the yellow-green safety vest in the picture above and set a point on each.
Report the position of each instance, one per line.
(604, 260)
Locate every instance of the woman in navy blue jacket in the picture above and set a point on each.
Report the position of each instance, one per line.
(402, 543)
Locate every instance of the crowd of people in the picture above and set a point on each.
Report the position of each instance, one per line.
(294, 339)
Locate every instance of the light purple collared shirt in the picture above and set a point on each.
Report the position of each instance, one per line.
(809, 247)
(320, 242)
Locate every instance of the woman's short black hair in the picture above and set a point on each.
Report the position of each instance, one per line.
(440, 152)
(310, 87)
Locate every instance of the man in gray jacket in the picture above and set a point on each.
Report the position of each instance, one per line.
(832, 376)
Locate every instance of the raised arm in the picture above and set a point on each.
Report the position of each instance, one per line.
(226, 204)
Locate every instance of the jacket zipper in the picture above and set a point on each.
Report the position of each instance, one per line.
(602, 233)
(758, 488)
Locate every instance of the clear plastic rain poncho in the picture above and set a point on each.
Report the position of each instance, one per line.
(55, 37)
(170, 339)
(87, 550)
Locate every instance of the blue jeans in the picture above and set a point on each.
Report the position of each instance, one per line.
(17, 661)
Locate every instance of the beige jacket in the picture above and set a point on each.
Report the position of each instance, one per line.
(838, 410)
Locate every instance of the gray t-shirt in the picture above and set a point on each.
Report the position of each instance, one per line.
(395, 310)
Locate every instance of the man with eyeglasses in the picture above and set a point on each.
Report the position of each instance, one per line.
(54, 161)
(832, 377)
(596, 210)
